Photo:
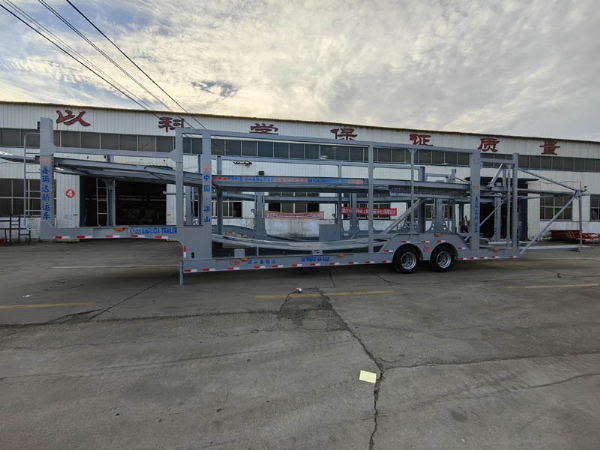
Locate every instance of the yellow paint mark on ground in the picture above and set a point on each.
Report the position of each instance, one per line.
(329, 294)
(46, 305)
(359, 293)
(369, 377)
(545, 286)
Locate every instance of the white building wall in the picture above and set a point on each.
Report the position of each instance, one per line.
(26, 116)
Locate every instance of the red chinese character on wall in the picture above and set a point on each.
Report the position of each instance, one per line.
(420, 139)
(70, 119)
(488, 144)
(168, 123)
(263, 128)
(549, 147)
(344, 133)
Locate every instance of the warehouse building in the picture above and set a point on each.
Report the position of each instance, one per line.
(79, 199)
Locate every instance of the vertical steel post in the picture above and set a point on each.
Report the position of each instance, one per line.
(580, 246)
(370, 205)
(178, 157)
(47, 193)
(475, 159)
(219, 198)
(515, 204)
(412, 190)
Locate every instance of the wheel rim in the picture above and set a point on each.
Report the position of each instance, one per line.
(444, 259)
(408, 261)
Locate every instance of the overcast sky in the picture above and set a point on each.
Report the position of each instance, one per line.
(516, 67)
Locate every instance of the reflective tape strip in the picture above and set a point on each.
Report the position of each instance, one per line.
(161, 237)
(208, 269)
(135, 236)
(334, 263)
(351, 262)
(278, 266)
(511, 256)
(387, 251)
(314, 264)
(424, 242)
(184, 251)
(233, 268)
(259, 267)
(85, 237)
(62, 237)
(383, 261)
(190, 270)
(296, 265)
(112, 236)
(405, 242)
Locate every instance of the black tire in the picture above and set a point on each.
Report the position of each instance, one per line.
(442, 259)
(405, 260)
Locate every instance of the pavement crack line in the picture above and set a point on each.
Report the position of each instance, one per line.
(102, 311)
(331, 278)
(378, 363)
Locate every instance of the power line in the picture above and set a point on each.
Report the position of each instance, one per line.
(85, 38)
(67, 46)
(132, 62)
(71, 56)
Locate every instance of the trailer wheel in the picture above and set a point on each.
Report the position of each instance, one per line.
(442, 259)
(405, 260)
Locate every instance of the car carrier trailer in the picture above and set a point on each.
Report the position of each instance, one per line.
(208, 247)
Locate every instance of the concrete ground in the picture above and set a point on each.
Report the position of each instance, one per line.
(101, 348)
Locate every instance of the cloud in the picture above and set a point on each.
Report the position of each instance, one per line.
(499, 66)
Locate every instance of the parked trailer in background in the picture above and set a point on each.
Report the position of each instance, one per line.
(440, 238)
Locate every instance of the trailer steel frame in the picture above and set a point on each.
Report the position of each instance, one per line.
(403, 244)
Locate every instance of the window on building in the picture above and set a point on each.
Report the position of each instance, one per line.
(233, 148)
(12, 195)
(109, 141)
(249, 148)
(146, 143)
(31, 138)
(90, 140)
(429, 211)
(165, 143)
(550, 206)
(299, 207)
(311, 151)
(327, 152)
(358, 154)
(342, 153)
(230, 208)
(383, 154)
(595, 206)
(297, 151)
(10, 138)
(265, 149)
(129, 142)
(423, 157)
(70, 139)
(282, 150)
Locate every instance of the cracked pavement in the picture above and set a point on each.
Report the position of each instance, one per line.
(101, 348)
